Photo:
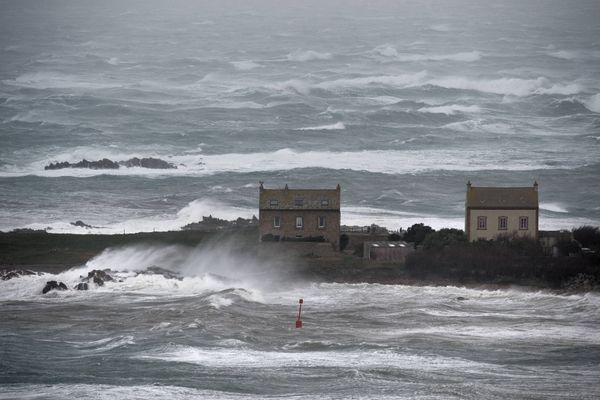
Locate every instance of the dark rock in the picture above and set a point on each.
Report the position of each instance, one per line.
(98, 277)
(81, 224)
(105, 163)
(153, 163)
(53, 285)
(460, 298)
(6, 275)
(82, 286)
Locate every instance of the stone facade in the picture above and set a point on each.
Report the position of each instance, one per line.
(299, 214)
(494, 211)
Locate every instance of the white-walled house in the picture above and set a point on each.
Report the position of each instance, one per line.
(494, 211)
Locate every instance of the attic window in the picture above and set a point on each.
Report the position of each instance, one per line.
(299, 202)
(324, 203)
(273, 203)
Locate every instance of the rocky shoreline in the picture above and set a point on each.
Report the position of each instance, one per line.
(34, 252)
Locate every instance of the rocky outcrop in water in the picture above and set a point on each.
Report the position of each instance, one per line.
(98, 277)
(154, 270)
(105, 163)
(53, 285)
(82, 286)
(6, 275)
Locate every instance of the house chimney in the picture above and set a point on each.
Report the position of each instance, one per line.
(535, 186)
(468, 185)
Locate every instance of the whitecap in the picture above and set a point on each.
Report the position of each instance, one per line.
(450, 109)
(593, 103)
(308, 55)
(506, 86)
(554, 207)
(331, 127)
(245, 65)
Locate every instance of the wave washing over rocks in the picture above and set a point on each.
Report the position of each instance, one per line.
(105, 163)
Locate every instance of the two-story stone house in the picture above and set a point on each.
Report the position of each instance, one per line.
(494, 211)
(299, 214)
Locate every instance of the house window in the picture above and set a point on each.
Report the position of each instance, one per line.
(299, 202)
(321, 222)
(482, 223)
(299, 222)
(325, 203)
(524, 223)
(273, 203)
(502, 223)
(277, 222)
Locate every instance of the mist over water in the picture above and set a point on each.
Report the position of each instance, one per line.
(409, 97)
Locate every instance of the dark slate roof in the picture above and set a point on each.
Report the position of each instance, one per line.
(502, 197)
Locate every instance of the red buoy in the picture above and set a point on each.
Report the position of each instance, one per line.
(299, 321)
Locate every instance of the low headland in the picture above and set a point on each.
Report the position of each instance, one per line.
(442, 257)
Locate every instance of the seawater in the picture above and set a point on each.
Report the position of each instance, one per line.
(225, 330)
(401, 103)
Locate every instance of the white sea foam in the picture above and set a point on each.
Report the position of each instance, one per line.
(308, 55)
(450, 109)
(110, 392)
(193, 212)
(395, 219)
(403, 80)
(575, 54)
(332, 127)
(593, 103)
(248, 358)
(506, 86)
(379, 161)
(56, 80)
(245, 65)
(469, 56)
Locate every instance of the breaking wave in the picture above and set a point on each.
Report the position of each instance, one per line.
(332, 127)
(308, 55)
(450, 109)
(391, 52)
(593, 103)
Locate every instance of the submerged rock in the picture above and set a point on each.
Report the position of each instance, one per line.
(82, 286)
(460, 298)
(53, 285)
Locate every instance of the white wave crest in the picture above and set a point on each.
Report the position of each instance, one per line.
(554, 207)
(450, 109)
(378, 161)
(402, 81)
(332, 127)
(593, 103)
(193, 212)
(245, 65)
(308, 55)
(389, 51)
(55, 80)
(506, 86)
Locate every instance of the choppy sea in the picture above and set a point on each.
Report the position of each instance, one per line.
(400, 102)
(226, 330)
